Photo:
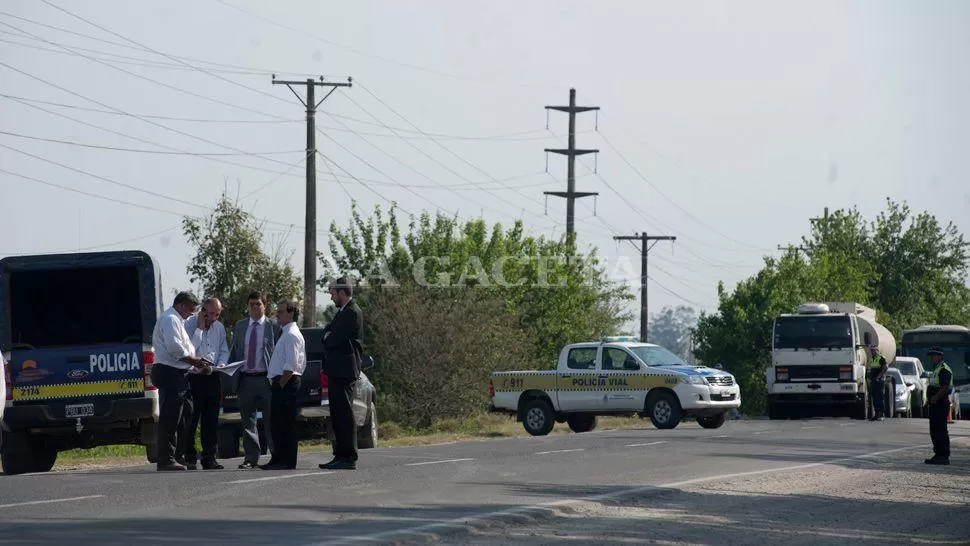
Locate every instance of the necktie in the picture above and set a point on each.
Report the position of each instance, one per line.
(251, 354)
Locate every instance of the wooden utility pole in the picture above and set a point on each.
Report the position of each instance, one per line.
(571, 152)
(645, 246)
(310, 232)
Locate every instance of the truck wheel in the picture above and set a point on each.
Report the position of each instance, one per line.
(151, 453)
(775, 411)
(367, 434)
(664, 410)
(712, 421)
(581, 422)
(227, 443)
(538, 418)
(861, 408)
(35, 460)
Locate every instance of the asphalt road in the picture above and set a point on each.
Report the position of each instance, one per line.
(443, 492)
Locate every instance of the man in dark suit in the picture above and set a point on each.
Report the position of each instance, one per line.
(343, 347)
(253, 341)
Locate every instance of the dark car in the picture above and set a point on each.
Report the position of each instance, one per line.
(313, 399)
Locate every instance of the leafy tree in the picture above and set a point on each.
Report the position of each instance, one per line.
(230, 262)
(911, 269)
(672, 328)
(558, 295)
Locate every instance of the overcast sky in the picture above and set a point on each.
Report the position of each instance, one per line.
(725, 124)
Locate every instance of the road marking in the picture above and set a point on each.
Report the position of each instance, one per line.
(806, 428)
(51, 501)
(647, 444)
(280, 477)
(439, 462)
(463, 523)
(558, 451)
(763, 432)
(721, 436)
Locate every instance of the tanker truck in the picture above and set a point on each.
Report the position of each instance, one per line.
(819, 357)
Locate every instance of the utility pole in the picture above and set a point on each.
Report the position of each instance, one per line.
(645, 247)
(310, 231)
(571, 152)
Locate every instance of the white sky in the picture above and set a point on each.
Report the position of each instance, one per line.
(743, 120)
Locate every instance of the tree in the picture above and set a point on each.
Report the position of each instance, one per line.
(560, 296)
(912, 270)
(230, 262)
(672, 328)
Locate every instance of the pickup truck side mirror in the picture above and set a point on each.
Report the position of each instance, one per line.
(366, 362)
(925, 375)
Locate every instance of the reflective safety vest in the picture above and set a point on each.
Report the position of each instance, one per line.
(876, 361)
(935, 378)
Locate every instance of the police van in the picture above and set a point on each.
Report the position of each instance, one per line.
(76, 334)
(614, 376)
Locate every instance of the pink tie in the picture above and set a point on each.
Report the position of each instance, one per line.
(251, 355)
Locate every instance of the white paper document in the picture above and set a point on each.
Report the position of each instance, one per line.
(230, 368)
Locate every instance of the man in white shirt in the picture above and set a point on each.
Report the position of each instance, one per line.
(209, 339)
(174, 357)
(286, 375)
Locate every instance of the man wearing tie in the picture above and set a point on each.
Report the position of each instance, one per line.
(343, 346)
(209, 339)
(286, 375)
(253, 341)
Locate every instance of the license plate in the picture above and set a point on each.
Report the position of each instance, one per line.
(79, 410)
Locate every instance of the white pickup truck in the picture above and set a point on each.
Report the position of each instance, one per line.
(614, 376)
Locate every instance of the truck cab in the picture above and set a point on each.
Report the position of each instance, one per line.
(76, 334)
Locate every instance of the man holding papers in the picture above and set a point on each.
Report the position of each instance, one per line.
(209, 338)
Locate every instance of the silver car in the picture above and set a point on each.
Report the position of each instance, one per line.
(912, 371)
(905, 395)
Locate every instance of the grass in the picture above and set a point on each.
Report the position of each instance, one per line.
(389, 434)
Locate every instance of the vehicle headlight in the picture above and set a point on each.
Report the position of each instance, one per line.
(695, 380)
(900, 390)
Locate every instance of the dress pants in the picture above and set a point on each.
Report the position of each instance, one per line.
(878, 390)
(206, 391)
(254, 396)
(173, 402)
(342, 418)
(284, 414)
(938, 430)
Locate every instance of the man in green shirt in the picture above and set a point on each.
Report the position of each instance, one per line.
(941, 379)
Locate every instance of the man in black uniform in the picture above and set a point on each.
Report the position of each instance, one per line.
(939, 402)
(877, 383)
(343, 346)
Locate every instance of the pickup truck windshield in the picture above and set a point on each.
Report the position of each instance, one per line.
(64, 307)
(808, 332)
(657, 356)
(906, 368)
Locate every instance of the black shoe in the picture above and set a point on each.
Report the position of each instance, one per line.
(275, 466)
(212, 465)
(247, 466)
(191, 466)
(340, 464)
(164, 467)
(937, 460)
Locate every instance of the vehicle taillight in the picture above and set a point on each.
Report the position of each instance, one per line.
(324, 386)
(148, 360)
(491, 389)
(8, 379)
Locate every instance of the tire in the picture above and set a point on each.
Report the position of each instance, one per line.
(861, 408)
(538, 417)
(35, 460)
(664, 410)
(227, 443)
(151, 453)
(367, 434)
(581, 422)
(712, 421)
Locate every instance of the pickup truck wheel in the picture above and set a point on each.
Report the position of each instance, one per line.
(367, 434)
(538, 418)
(664, 410)
(227, 443)
(35, 460)
(712, 421)
(581, 423)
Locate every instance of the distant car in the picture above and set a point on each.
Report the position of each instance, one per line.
(912, 371)
(904, 395)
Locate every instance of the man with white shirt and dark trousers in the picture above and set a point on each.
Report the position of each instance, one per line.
(174, 357)
(286, 375)
(253, 341)
(209, 339)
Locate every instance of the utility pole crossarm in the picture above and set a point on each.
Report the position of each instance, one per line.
(310, 231)
(571, 195)
(644, 251)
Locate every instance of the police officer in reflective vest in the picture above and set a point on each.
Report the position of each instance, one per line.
(939, 404)
(877, 385)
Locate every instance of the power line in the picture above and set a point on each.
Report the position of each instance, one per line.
(141, 151)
